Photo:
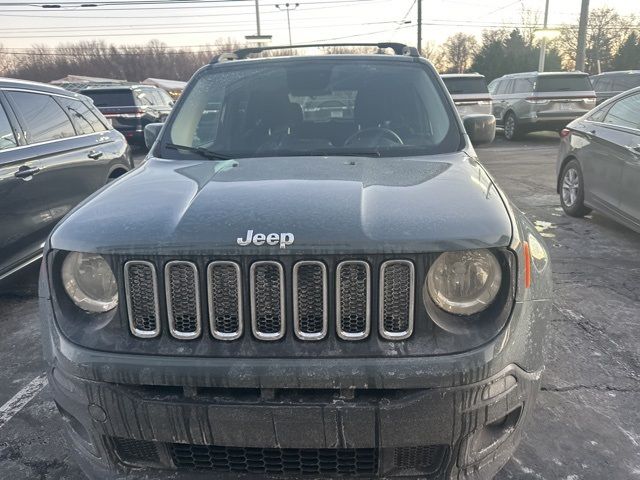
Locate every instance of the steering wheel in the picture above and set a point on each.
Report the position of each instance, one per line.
(375, 134)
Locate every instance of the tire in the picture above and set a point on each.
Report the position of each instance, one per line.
(572, 190)
(511, 129)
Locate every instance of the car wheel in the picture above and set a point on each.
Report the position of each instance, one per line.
(572, 190)
(511, 129)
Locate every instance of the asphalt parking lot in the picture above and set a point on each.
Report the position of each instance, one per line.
(587, 422)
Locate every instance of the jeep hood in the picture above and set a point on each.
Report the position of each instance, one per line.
(329, 204)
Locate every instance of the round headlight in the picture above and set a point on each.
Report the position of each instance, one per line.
(89, 282)
(464, 283)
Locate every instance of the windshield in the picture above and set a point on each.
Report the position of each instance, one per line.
(111, 98)
(313, 107)
(462, 85)
(563, 83)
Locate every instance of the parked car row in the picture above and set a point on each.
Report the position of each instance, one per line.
(533, 101)
(56, 149)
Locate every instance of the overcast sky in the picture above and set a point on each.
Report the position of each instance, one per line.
(206, 21)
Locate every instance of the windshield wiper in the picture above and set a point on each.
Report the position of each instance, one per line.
(203, 152)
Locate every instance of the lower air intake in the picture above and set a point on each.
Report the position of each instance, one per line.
(277, 461)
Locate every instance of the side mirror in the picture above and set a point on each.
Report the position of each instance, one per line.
(480, 128)
(151, 132)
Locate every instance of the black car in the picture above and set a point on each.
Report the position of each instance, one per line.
(598, 163)
(282, 293)
(609, 84)
(130, 108)
(55, 150)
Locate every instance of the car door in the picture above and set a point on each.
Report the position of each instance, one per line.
(25, 216)
(623, 122)
(20, 211)
(71, 165)
(601, 161)
(499, 100)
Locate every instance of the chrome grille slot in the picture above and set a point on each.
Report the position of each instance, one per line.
(397, 285)
(267, 300)
(141, 285)
(183, 299)
(224, 287)
(353, 303)
(310, 316)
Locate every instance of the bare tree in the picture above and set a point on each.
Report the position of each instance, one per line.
(6, 61)
(605, 33)
(458, 51)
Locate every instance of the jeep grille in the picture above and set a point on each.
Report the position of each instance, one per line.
(397, 278)
(183, 299)
(315, 292)
(267, 300)
(141, 285)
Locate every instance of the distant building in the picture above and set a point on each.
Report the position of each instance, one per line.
(75, 83)
(174, 87)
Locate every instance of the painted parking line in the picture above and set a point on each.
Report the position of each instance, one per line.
(21, 399)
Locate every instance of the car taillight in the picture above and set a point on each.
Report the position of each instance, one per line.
(565, 132)
(134, 113)
(537, 101)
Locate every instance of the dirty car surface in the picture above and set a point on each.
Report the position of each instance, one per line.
(291, 294)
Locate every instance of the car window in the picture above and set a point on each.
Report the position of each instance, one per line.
(493, 86)
(144, 97)
(626, 82)
(625, 112)
(522, 85)
(165, 97)
(7, 137)
(111, 98)
(43, 118)
(563, 83)
(462, 85)
(320, 108)
(86, 121)
(504, 87)
(598, 115)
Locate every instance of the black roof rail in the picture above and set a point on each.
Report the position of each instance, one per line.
(243, 53)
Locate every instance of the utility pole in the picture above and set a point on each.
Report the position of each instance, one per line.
(420, 27)
(543, 42)
(582, 36)
(288, 7)
(258, 17)
(258, 38)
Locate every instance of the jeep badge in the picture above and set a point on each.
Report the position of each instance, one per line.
(259, 239)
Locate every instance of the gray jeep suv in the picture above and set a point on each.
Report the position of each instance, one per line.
(530, 102)
(287, 294)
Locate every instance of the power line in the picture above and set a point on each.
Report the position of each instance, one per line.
(167, 6)
(90, 28)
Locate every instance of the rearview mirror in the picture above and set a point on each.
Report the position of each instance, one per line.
(480, 128)
(151, 132)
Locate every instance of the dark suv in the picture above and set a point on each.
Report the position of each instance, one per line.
(286, 294)
(609, 84)
(55, 150)
(130, 108)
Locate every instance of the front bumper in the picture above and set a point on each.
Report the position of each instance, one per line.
(453, 416)
(470, 430)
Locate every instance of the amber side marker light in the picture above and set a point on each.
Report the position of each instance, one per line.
(564, 132)
(527, 265)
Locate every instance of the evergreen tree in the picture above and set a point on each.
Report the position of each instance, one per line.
(628, 55)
